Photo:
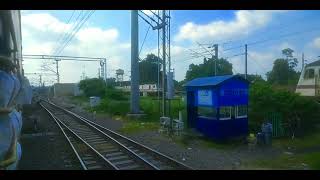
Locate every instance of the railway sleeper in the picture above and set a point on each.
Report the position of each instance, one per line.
(84, 132)
(87, 157)
(94, 167)
(89, 162)
(118, 157)
(121, 163)
(108, 151)
(92, 137)
(109, 154)
(130, 167)
(113, 152)
(103, 145)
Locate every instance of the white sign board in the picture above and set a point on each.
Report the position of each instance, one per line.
(205, 97)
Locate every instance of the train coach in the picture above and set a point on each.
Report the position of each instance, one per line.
(308, 84)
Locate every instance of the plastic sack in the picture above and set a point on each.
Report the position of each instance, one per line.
(16, 90)
(6, 134)
(19, 154)
(6, 88)
(266, 128)
(16, 120)
(25, 93)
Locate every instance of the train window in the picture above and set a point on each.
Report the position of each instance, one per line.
(225, 113)
(207, 112)
(309, 74)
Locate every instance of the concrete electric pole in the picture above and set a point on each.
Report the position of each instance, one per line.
(246, 58)
(164, 63)
(302, 62)
(217, 57)
(57, 70)
(135, 95)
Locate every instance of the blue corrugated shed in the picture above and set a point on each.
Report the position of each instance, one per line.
(210, 81)
(229, 92)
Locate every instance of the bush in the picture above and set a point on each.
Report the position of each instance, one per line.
(299, 113)
(113, 107)
(115, 94)
(93, 87)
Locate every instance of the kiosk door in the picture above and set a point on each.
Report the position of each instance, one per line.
(191, 109)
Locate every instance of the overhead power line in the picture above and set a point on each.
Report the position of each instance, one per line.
(59, 38)
(66, 34)
(77, 28)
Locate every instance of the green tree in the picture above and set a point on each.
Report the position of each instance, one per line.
(207, 68)
(299, 113)
(148, 69)
(283, 72)
(253, 78)
(93, 87)
(279, 73)
(178, 85)
(111, 82)
(288, 53)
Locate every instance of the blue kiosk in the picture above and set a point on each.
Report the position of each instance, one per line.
(217, 106)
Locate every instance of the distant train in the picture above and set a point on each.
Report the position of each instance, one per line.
(309, 82)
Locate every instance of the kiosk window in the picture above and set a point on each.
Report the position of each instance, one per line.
(207, 112)
(225, 113)
(241, 111)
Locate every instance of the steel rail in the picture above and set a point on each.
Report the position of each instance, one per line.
(160, 157)
(130, 153)
(82, 140)
(65, 135)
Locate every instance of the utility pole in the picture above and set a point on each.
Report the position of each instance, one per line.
(215, 62)
(134, 104)
(302, 62)
(57, 69)
(164, 63)
(246, 58)
(105, 70)
(213, 56)
(40, 79)
(158, 70)
(170, 75)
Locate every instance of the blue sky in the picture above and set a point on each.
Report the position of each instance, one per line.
(107, 34)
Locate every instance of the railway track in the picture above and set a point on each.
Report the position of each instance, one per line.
(100, 148)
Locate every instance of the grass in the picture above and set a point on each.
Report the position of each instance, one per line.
(79, 100)
(295, 160)
(138, 126)
(286, 161)
(307, 141)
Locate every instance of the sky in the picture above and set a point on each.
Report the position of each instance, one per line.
(106, 34)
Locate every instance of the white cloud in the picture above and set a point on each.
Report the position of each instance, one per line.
(97, 35)
(44, 23)
(316, 42)
(40, 35)
(244, 23)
